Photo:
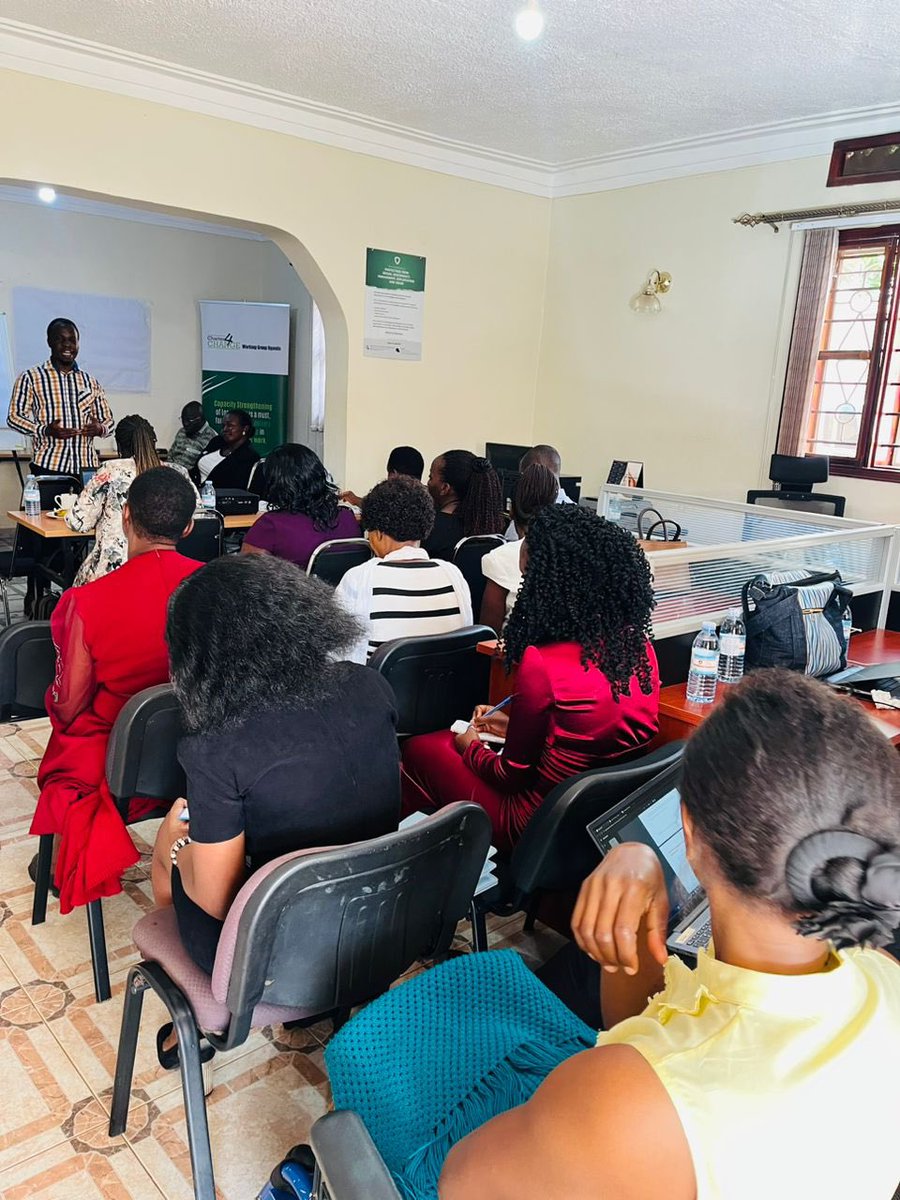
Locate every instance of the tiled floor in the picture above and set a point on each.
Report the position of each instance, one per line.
(58, 1047)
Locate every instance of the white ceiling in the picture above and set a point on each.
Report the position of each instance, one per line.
(607, 76)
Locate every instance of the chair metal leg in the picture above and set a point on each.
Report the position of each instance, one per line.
(42, 879)
(99, 961)
(4, 587)
(530, 914)
(128, 1037)
(189, 1061)
(479, 926)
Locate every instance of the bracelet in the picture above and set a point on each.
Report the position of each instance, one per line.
(176, 847)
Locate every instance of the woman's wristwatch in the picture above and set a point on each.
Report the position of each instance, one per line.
(176, 847)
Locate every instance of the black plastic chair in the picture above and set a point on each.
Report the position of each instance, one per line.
(436, 679)
(313, 933)
(331, 561)
(51, 486)
(467, 555)
(141, 760)
(206, 540)
(555, 852)
(348, 1165)
(811, 502)
(27, 667)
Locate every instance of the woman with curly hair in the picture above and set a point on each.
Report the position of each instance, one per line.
(303, 507)
(285, 747)
(468, 500)
(587, 691)
(401, 592)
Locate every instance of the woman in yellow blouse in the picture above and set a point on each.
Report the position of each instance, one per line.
(769, 1072)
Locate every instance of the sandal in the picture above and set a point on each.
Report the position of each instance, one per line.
(168, 1058)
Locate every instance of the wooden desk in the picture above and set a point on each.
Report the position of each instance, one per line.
(501, 684)
(678, 719)
(55, 527)
(876, 646)
(45, 525)
(244, 521)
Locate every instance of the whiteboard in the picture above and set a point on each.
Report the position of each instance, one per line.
(115, 334)
(10, 439)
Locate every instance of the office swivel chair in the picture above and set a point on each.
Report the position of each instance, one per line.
(793, 478)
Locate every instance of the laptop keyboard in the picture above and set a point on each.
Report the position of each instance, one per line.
(700, 938)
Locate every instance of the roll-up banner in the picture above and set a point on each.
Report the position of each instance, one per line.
(244, 360)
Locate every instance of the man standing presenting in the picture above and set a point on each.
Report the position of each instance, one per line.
(60, 407)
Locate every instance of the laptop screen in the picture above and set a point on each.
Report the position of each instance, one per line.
(653, 816)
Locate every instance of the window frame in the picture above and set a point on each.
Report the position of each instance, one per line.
(860, 467)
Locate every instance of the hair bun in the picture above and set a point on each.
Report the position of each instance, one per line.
(848, 884)
(480, 465)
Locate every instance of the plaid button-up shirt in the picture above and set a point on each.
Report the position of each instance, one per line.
(43, 395)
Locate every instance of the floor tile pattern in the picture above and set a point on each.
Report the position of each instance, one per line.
(58, 1047)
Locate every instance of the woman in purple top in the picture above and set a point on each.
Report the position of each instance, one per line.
(303, 509)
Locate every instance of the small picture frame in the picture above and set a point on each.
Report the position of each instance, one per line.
(626, 473)
(873, 159)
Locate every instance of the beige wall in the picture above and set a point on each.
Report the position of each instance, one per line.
(695, 391)
(171, 270)
(486, 250)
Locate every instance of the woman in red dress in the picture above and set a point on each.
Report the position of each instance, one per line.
(587, 689)
(110, 644)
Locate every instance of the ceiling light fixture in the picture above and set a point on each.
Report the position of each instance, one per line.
(647, 299)
(530, 22)
(47, 194)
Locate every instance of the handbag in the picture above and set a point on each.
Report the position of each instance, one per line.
(795, 620)
(665, 525)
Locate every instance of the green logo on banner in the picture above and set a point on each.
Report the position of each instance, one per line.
(401, 272)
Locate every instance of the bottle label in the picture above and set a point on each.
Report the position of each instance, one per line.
(732, 645)
(705, 661)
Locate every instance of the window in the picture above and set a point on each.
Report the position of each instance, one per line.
(854, 413)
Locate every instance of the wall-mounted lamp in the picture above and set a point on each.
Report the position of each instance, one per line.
(647, 299)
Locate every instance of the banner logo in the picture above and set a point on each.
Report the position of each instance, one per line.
(216, 341)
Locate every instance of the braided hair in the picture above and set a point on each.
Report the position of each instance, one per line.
(477, 488)
(136, 438)
(586, 581)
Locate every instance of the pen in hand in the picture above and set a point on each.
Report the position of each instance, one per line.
(490, 712)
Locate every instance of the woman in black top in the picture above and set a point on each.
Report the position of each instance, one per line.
(285, 749)
(234, 456)
(468, 500)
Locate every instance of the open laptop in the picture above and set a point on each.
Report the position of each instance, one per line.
(652, 815)
(862, 681)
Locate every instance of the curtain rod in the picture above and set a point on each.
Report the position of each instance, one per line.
(751, 220)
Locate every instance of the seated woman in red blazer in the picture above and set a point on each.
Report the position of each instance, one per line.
(587, 692)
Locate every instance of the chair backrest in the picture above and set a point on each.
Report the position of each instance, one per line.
(326, 929)
(51, 486)
(556, 851)
(141, 755)
(467, 555)
(816, 502)
(27, 667)
(437, 679)
(331, 561)
(204, 542)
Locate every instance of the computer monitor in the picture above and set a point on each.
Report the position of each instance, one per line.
(504, 456)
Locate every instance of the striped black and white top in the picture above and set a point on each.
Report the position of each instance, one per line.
(406, 594)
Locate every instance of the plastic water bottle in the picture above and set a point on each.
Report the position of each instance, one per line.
(732, 645)
(701, 684)
(31, 498)
(208, 495)
(847, 622)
